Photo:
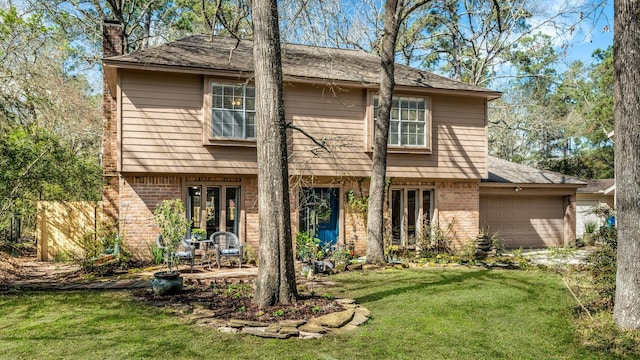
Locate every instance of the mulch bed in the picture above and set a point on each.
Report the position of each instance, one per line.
(235, 302)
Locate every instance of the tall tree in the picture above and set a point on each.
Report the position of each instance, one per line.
(395, 11)
(49, 121)
(626, 47)
(145, 22)
(276, 275)
(471, 40)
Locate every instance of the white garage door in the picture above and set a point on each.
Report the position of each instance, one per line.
(525, 221)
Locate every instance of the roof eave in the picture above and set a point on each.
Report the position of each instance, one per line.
(537, 185)
(113, 65)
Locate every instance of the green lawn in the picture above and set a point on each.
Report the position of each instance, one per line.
(417, 314)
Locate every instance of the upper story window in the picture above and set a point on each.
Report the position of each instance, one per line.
(408, 122)
(233, 111)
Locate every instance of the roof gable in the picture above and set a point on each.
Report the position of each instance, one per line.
(298, 61)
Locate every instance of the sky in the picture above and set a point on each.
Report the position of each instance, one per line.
(600, 37)
(590, 35)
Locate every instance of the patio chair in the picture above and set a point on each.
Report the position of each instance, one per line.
(227, 245)
(187, 255)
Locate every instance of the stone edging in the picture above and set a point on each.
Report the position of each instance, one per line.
(334, 323)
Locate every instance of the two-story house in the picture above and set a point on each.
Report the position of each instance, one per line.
(179, 123)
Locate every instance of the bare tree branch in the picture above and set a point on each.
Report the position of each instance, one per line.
(321, 144)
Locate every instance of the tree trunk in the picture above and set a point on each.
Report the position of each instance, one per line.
(375, 220)
(276, 275)
(627, 157)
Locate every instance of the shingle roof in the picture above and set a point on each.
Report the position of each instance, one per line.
(596, 186)
(503, 171)
(300, 61)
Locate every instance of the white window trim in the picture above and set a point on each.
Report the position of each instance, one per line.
(207, 109)
(401, 149)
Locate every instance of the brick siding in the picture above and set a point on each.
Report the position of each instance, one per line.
(459, 202)
(139, 197)
(112, 45)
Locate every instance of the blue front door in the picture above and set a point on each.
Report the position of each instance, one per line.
(319, 211)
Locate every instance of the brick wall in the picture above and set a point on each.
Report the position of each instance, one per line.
(250, 206)
(355, 225)
(112, 45)
(459, 202)
(139, 197)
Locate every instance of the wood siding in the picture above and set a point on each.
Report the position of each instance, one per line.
(162, 132)
(162, 128)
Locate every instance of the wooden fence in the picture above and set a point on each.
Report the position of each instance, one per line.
(61, 227)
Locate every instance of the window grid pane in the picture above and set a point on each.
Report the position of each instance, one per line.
(233, 111)
(407, 121)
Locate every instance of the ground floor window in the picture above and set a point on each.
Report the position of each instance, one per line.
(410, 209)
(213, 208)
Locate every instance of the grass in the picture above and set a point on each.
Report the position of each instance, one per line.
(431, 313)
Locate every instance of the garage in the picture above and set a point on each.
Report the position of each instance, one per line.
(528, 207)
(525, 221)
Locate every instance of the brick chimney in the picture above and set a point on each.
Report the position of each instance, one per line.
(112, 45)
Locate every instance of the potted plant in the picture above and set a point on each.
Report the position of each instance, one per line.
(198, 234)
(306, 250)
(169, 217)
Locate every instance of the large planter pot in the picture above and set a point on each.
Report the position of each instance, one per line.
(166, 283)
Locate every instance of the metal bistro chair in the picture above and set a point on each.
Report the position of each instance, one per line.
(228, 245)
(187, 255)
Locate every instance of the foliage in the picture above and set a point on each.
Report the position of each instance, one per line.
(391, 251)
(601, 334)
(552, 120)
(157, 254)
(250, 254)
(238, 291)
(496, 240)
(103, 251)
(199, 234)
(63, 256)
(49, 119)
(340, 257)
(603, 267)
(468, 250)
(435, 239)
(359, 203)
(602, 211)
(307, 247)
(173, 224)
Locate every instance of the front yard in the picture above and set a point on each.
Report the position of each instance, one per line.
(416, 314)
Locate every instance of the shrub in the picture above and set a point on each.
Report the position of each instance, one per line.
(434, 240)
(250, 254)
(169, 217)
(306, 246)
(157, 254)
(601, 333)
(603, 267)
